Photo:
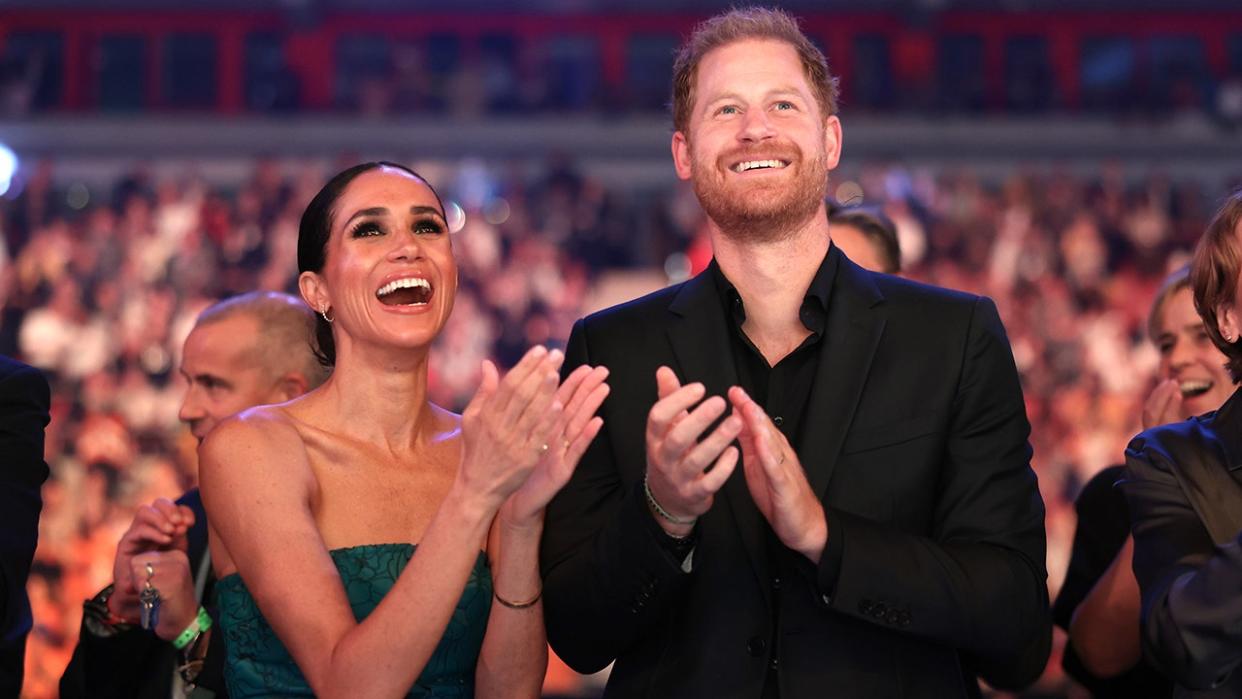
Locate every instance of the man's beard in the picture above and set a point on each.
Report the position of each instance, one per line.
(747, 213)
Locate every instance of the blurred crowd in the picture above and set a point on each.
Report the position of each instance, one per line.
(100, 286)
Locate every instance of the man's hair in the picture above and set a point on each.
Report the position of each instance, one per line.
(286, 331)
(1176, 281)
(1214, 276)
(878, 229)
(740, 24)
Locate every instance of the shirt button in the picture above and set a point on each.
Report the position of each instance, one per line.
(756, 646)
(773, 664)
(778, 420)
(776, 583)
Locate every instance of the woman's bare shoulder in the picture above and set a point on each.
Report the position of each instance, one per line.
(257, 442)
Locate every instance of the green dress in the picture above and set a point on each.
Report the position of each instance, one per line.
(257, 664)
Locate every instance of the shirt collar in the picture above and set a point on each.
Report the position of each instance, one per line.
(814, 311)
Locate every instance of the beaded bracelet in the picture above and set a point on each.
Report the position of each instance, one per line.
(663, 512)
(201, 623)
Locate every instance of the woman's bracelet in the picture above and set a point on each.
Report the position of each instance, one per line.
(663, 512)
(517, 605)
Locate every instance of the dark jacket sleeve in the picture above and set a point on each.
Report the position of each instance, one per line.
(608, 580)
(24, 405)
(1192, 610)
(978, 581)
(130, 663)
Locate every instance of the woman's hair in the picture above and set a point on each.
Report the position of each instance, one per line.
(1214, 276)
(1175, 282)
(316, 228)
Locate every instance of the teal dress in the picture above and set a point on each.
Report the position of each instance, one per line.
(257, 664)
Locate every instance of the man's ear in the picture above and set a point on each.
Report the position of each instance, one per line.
(681, 155)
(291, 385)
(832, 140)
(314, 292)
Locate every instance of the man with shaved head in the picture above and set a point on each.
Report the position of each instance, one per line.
(252, 349)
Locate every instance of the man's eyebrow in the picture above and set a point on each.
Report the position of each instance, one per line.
(204, 376)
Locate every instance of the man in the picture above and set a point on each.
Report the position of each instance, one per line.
(866, 236)
(24, 404)
(248, 350)
(883, 535)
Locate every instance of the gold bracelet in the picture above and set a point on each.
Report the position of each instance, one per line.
(517, 605)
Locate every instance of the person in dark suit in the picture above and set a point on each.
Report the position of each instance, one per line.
(883, 535)
(1184, 491)
(247, 350)
(24, 405)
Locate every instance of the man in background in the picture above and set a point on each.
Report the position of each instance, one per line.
(866, 236)
(252, 349)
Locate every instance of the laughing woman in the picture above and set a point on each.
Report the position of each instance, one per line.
(370, 543)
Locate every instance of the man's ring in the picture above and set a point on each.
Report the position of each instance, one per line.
(150, 573)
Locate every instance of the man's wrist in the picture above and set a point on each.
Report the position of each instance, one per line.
(675, 526)
(817, 538)
(98, 617)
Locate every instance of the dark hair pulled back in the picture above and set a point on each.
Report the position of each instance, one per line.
(315, 229)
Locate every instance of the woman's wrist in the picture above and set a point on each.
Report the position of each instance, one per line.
(475, 507)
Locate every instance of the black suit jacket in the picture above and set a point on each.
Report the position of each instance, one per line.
(915, 437)
(137, 664)
(1185, 495)
(24, 403)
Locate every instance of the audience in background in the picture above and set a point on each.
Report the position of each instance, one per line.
(102, 294)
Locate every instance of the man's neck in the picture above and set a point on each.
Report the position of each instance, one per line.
(772, 278)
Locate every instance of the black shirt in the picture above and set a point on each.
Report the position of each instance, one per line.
(783, 391)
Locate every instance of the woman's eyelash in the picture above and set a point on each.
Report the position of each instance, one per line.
(366, 228)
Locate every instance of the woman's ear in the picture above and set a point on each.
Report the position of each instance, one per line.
(1227, 323)
(314, 292)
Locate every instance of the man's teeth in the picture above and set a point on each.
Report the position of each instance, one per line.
(1191, 389)
(759, 165)
(407, 283)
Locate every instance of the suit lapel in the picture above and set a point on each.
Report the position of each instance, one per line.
(699, 334)
(851, 337)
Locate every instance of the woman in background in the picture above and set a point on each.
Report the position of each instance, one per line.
(1099, 603)
(1184, 489)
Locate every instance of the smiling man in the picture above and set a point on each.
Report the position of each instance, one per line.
(813, 480)
(247, 350)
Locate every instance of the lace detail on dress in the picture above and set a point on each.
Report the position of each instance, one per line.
(257, 664)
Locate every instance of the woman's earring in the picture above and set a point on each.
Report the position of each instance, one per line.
(324, 312)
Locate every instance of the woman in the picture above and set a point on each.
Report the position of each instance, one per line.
(1099, 603)
(1184, 490)
(316, 505)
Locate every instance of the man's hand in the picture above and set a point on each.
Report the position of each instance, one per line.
(160, 526)
(1164, 405)
(171, 576)
(677, 461)
(777, 482)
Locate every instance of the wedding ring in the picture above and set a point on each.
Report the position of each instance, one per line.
(543, 448)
